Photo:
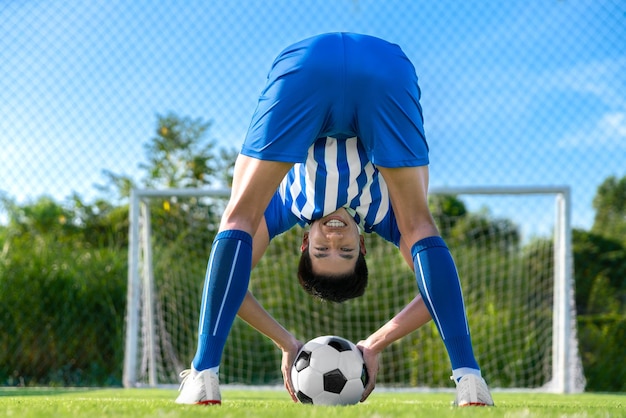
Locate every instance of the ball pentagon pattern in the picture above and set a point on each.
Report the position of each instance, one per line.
(329, 370)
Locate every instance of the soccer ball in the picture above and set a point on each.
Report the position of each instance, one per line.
(329, 370)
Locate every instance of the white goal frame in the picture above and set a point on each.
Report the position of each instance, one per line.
(565, 356)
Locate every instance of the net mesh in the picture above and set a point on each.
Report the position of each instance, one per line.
(505, 262)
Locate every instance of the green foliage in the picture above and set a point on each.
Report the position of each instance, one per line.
(80, 265)
(179, 155)
(610, 206)
(600, 276)
(63, 267)
(599, 262)
(43, 216)
(459, 227)
(63, 282)
(61, 312)
(602, 340)
(446, 209)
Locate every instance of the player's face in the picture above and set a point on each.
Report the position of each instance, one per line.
(334, 243)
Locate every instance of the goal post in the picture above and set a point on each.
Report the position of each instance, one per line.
(567, 376)
(140, 287)
(514, 255)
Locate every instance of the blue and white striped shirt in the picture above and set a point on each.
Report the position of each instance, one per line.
(336, 174)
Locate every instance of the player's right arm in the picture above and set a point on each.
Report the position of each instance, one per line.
(254, 314)
(413, 316)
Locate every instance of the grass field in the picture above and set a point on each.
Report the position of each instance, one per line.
(134, 403)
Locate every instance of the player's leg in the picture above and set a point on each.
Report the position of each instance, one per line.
(290, 114)
(390, 124)
(436, 275)
(228, 272)
(229, 266)
(434, 267)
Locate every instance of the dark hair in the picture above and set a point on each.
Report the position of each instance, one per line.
(333, 288)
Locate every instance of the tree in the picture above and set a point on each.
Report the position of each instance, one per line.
(610, 206)
(598, 261)
(63, 264)
(44, 216)
(460, 227)
(446, 210)
(599, 271)
(180, 155)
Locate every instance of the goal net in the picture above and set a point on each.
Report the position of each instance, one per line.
(512, 247)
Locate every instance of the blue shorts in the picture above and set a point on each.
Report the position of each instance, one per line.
(340, 85)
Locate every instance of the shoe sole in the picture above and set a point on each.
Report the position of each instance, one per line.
(209, 403)
(473, 404)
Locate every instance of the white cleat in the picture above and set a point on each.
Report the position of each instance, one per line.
(472, 390)
(199, 388)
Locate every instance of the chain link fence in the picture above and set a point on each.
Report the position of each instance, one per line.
(514, 93)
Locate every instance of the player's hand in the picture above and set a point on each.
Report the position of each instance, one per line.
(289, 357)
(371, 359)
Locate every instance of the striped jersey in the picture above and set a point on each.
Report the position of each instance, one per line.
(337, 173)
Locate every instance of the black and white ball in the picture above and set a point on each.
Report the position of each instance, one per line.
(329, 370)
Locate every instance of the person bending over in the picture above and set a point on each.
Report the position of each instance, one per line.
(336, 143)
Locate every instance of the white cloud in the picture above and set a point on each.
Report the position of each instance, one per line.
(608, 131)
(601, 79)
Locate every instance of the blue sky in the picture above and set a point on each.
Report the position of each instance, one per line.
(514, 92)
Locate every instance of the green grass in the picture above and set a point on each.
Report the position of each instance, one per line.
(134, 403)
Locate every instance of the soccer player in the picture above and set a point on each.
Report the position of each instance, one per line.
(336, 142)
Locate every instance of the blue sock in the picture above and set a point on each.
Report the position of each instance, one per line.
(439, 285)
(225, 286)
